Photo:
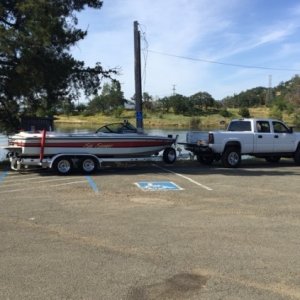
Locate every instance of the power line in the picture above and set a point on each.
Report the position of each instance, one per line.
(145, 52)
(223, 63)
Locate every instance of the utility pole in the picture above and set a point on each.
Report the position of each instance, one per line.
(269, 92)
(138, 78)
(174, 89)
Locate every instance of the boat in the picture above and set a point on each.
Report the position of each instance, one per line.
(112, 141)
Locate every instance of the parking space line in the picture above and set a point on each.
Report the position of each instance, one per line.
(185, 177)
(9, 184)
(13, 178)
(92, 183)
(36, 187)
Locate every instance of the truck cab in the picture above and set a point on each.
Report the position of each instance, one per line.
(268, 135)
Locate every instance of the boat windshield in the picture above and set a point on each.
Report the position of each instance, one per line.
(124, 127)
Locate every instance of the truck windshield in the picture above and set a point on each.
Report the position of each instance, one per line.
(239, 126)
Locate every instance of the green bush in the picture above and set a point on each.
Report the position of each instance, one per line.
(225, 113)
(118, 111)
(195, 122)
(244, 112)
(296, 120)
(275, 113)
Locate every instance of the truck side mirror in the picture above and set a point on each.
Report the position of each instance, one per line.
(291, 130)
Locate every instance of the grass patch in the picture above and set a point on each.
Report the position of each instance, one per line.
(166, 120)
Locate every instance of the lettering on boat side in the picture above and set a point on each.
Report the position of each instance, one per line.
(98, 145)
(158, 186)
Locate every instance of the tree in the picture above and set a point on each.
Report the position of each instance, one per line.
(244, 112)
(110, 99)
(164, 104)
(249, 98)
(113, 95)
(202, 100)
(37, 71)
(179, 103)
(147, 101)
(97, 104)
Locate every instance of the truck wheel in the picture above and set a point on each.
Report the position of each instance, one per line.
(169, 155)
(231, 157)
(63, 165)
(297, 156)
(88, 165)
(273, 159)
(205, 159)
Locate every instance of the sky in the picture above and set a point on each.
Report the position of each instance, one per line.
(189, 46)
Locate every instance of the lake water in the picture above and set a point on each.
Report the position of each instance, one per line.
(164, 132)
(3, 142)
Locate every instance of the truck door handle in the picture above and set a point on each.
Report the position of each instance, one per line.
(260, 136)
(276, 136)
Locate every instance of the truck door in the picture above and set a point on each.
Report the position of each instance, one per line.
(263, 138)
(283, 138)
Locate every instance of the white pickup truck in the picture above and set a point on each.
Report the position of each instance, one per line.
(264, 138)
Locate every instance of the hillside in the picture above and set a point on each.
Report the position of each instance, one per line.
(152, 120)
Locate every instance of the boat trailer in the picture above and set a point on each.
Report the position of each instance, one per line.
(65, 163)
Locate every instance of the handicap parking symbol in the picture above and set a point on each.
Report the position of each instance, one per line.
(158, 186)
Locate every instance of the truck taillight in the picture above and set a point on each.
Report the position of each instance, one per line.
(211, 139)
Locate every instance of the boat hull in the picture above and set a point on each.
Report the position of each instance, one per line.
(101, 145)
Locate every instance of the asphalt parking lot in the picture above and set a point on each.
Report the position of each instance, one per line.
(219, 234)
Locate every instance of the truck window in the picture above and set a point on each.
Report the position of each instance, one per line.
(263, 126)
(279, 127)
(239, 126)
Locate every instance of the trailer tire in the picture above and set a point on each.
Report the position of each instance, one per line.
(88, 165)
(205, 159)
(231, 157)
(169, 155)
(63, 165)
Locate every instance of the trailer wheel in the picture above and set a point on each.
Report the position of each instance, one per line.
(63, 165)
(205, 159)
(169, 155)
(231, 157)
(88, 165)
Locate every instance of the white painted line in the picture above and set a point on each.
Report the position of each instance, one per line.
(34, 181)
(187, 178)
(73, 182)
(36, 187)
(12, 178)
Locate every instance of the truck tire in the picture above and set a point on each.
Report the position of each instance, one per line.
(231, 157)
(63, 165)
(169, 155)
(88, 165)
(297, 156)
(205, 159)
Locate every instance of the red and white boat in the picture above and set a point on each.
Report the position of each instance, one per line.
(117, 140)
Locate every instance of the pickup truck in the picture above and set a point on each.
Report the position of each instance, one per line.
(263, 138)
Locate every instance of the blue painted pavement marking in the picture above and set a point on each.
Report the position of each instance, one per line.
(2, 176)
(158, 186)
(92, 184)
